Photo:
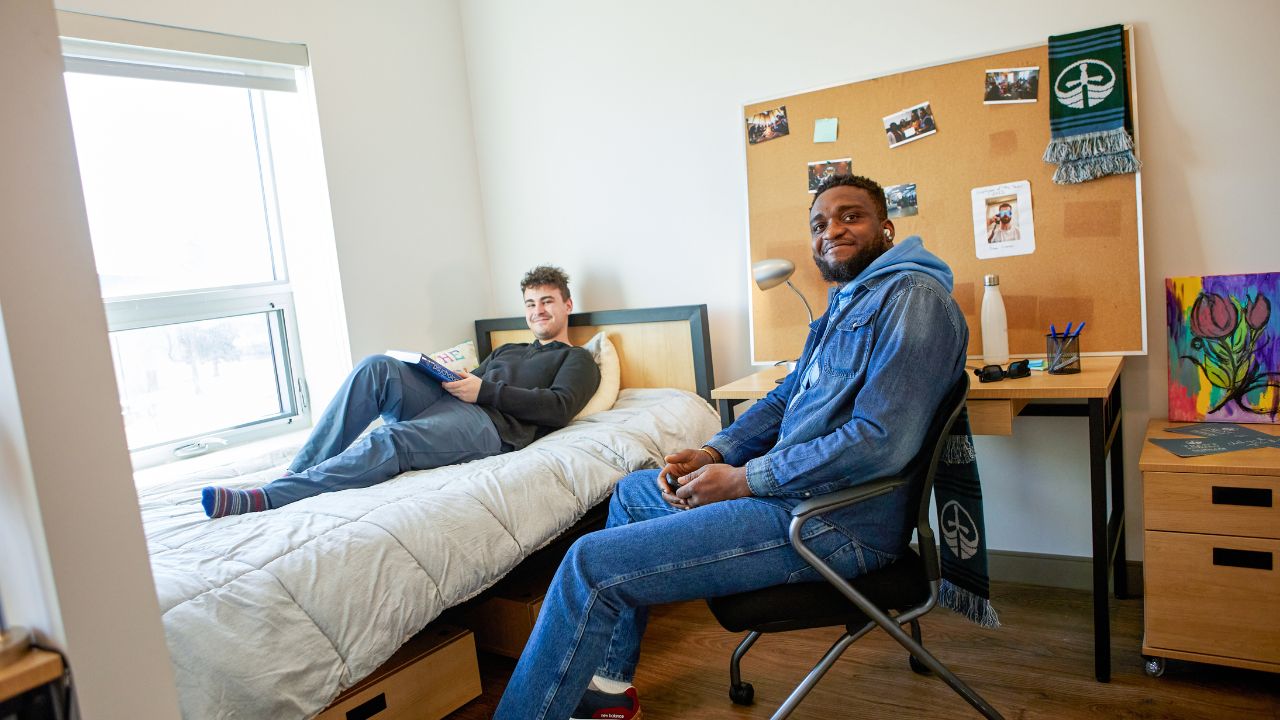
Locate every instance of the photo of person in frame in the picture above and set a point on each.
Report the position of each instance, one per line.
(1002, 220)
(901, 200)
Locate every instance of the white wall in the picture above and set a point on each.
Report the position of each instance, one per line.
(73, 564)
(395, 123)
(610, 140)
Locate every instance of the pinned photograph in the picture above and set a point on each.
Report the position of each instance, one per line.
(1012, 85)
(823, 169)
(911, 124)
(1002, 221)
(901, 200)
(767, 125)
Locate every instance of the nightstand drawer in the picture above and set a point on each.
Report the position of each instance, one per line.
(1246, 505)
(1212, 594)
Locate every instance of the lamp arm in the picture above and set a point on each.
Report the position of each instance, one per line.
(803, 300)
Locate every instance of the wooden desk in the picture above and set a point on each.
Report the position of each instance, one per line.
(1094, 392)
(35, 669)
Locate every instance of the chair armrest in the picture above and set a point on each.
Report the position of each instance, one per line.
(840, 498)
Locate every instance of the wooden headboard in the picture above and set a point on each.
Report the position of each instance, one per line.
(657, 347)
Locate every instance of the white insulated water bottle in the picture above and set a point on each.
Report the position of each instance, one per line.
(995, 324)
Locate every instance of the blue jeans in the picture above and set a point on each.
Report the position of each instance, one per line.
(596, 609)
(426, 428)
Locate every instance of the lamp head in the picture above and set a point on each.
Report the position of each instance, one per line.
(772, 272)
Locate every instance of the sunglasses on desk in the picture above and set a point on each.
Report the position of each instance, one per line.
(995, 373)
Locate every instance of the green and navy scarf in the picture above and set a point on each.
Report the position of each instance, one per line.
(957, 492)
(1089, 106)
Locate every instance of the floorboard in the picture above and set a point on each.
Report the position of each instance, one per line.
(1039, 665)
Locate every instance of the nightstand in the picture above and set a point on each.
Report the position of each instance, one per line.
(751, 387)
(19, 681)
(1211, 535)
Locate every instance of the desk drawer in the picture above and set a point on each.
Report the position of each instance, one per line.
(1246, 505)
(1212, 594)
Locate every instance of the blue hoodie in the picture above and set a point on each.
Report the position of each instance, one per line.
(874, 368)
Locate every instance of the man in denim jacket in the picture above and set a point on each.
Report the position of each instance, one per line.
(873, 370)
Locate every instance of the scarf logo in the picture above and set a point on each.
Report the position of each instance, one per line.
(959, 530)
(1076, 88)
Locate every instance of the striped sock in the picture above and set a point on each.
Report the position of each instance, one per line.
(220, 501)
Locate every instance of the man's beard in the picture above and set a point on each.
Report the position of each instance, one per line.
(837, 272)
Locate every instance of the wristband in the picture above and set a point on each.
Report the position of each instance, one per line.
(710, 454)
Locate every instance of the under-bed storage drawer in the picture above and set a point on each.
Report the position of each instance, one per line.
(1213, 594)
(434, 674)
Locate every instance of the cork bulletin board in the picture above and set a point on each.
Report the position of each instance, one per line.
(1088, 262)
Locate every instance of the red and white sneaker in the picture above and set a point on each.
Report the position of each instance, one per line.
(596, 705)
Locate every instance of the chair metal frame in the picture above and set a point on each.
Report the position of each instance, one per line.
(948, 412)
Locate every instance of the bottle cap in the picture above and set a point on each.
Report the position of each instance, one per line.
(990, 280)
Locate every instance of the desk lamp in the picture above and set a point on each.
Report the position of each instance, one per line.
(775, 271)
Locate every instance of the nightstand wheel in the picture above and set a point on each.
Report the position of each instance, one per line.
(742, 694)
(1154, 666)
(918, 667)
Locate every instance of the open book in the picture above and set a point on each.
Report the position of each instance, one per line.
(426, 364)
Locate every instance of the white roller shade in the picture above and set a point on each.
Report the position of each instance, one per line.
(108, 46)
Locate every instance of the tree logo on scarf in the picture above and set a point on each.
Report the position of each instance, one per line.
(959, 530)
(1077, 88)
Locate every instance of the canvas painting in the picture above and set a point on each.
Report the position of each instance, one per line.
(1224, 348)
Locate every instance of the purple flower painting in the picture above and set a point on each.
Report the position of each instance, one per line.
(1224, 348)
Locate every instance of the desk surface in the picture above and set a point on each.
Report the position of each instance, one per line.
(1260, 461)
(1096, 378)
(34, 669)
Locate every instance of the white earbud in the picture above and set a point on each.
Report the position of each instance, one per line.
(888, 235)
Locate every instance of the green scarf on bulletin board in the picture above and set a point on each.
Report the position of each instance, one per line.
(1089, 106)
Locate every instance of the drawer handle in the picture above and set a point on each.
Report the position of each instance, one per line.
(1252, 559)
(1252, 497)
(368, 709)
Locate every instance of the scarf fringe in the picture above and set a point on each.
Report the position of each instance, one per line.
(1078, 171)
(976, 609)
(958, 450)
(1088, 145)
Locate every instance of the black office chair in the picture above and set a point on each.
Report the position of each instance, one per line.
(890, 597)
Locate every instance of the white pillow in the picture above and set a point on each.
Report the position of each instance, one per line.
(606, 357)
(459, 357)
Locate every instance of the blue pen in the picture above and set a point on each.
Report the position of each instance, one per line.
(1078, 330)
(1053, 331)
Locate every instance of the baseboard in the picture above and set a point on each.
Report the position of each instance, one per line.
(1061, 571)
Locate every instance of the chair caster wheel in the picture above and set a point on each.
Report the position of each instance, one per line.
(1154, 666)
(918, 667)
(743, 694)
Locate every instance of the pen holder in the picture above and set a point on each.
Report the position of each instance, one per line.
(1063, 354)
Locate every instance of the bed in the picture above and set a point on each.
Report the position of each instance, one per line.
(274, 614)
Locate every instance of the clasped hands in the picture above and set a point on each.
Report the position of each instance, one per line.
(702, 481)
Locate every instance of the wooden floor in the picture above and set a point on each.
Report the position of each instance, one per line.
(1039, 665)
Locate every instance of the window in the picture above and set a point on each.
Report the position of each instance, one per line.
(180, 187)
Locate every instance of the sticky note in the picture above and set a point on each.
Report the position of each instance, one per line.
(824, 129)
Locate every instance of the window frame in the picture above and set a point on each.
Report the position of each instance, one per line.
(158, 45)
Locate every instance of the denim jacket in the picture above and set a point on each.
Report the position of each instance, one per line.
(874, 368)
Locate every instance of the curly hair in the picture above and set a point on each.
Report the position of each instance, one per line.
(544, 275)
(865, 183)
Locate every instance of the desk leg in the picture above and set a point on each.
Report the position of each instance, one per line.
(1120, 570)
(726, 411)
(1101, 551)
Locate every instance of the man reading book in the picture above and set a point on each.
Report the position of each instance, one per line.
(521, 392)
